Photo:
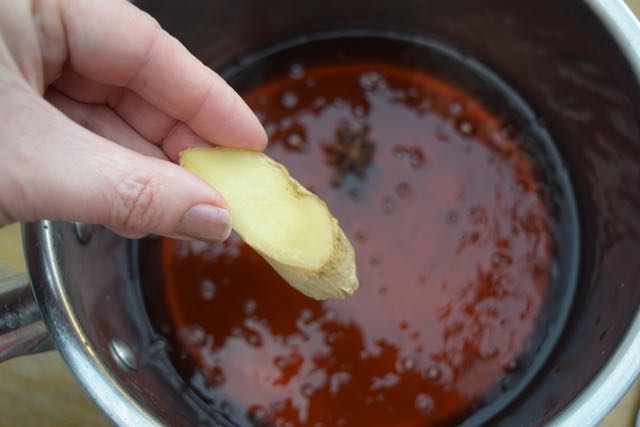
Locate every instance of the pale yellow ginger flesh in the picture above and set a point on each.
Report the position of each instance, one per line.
(283, 221)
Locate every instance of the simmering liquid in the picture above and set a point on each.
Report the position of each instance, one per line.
(453, 248)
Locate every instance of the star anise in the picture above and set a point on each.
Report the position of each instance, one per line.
(350, 152)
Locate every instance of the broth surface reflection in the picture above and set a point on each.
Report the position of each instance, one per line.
(453, 248)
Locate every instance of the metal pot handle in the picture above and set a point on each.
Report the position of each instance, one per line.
(22, 330)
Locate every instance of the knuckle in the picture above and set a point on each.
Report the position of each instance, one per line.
(150, 20)
(134, 207)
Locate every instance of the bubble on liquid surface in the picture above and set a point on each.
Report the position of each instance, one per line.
(253, 338)
(289, 99)
(295, 142)
(319, 103)
(477, 215)
(425, 105)
(506, 382)
(457, 359)
(433, 373)
(215, 376)
(296, 71)
(333, 337)
(361, 236)
(330, 315)
(257, 414)
(424, 403)
(355, 194)
(388, 381)
(450, 217)
(283, 361)
(307, 390)
(338, 380)
(276, 407)
(250, 306)
(193, 335)
(286, 122)
(405, 364)
(403, 190)
(414, 156)
(489, 352)
(340, 104)
(306, 314)
(388, 205)
(500, 260)
(456, 107)
(509, 129)
(511, 366)
(207, 290)
(465, 127)
(372, 81)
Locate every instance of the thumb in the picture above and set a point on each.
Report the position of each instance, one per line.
(56, 169)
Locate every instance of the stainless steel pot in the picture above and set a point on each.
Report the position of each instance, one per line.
(577, 63)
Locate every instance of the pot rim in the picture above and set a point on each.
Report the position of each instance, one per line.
(590, 406)
(622, 368)
(67, 333)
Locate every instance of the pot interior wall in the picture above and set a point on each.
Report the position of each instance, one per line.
(557, 56)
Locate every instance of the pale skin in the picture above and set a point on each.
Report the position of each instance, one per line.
(96, 102)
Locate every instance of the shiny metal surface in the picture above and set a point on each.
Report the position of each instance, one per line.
(623, 367)
(121, 353)
(83, 232)
(86, 362)
(22, 330)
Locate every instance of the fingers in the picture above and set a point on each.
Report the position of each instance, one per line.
(147, 120)
(19, 43)
(180, 138)
(152, 125)
(134, 52)
(103, 121)
(59, 170)
(85, 90)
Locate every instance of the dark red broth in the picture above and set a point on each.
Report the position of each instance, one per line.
(453, 249)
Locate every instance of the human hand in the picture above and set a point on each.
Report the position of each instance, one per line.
(95, 98)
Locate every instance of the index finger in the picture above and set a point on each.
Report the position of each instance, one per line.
(133, 51)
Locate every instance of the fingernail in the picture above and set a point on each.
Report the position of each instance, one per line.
(205, 222)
